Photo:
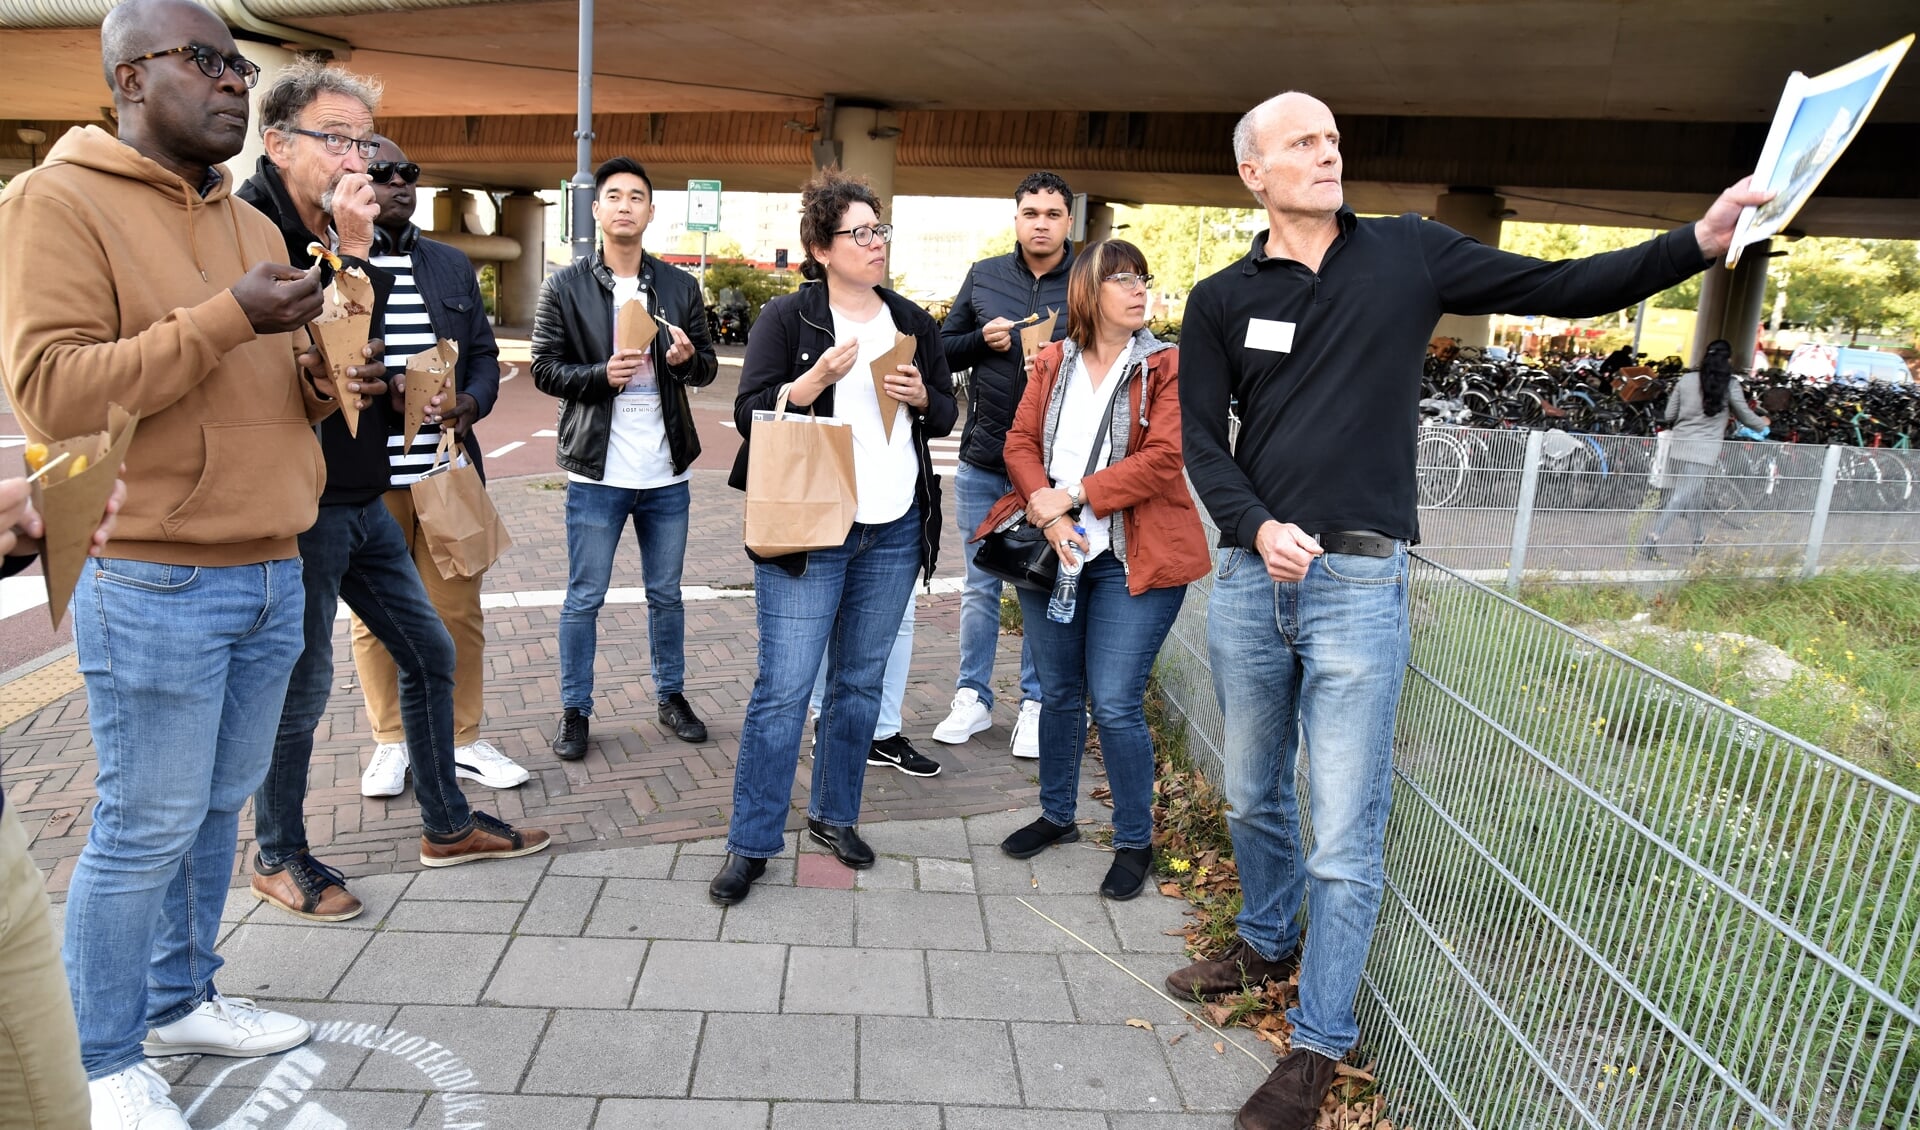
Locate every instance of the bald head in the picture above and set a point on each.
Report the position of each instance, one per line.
(1255, 122)
(1288, 152)
(137, 27)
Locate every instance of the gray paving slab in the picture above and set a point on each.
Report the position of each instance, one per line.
(811, 915)
(1150, 922)
(840, 1116)
(857, 982)
(712, 977)
(886, 874)
(682, 1114)
(1105, 995)
(916, 839)
(716, 845)
(1072, 869)
(494, 1043)
(446, 916)
(240, 903)
(1171, 1121)
(998, 986)
(989, 829)
(951, 875)
(1092, 1067)
(332, 1023)
(492, 881)
(301, 962)
(1011, 926)
(219, 1106)
(646, 861)
(377, 895)
(1210, 1080)
(542, 972)
(695, 868)
(506, 1112)
(560, 905)
(919, 920)
(776, 1057)
(974, 1058)
(996, 873)
(654, 908)
(417, 968)
(591, 1052)
(1005, 1118)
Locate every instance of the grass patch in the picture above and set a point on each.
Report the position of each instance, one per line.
(1012, 621)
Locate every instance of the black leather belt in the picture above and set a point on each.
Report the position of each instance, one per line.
(1360, 543)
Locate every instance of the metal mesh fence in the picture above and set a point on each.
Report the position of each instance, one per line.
(1614, 901)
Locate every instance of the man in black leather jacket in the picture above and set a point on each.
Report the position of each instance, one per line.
(626, 441)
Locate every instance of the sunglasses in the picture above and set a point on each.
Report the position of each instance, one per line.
(380, 172)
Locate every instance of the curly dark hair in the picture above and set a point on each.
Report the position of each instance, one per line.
(1043, 182)
(824, 201)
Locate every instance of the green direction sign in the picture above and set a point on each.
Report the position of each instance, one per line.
(703, 205)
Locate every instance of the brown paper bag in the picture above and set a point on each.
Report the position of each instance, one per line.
(463, 530)
(801, 491)
(900, 354)
(341, 332)
(1035, 337)
(72, 504)
(634, 327)
(428, 374)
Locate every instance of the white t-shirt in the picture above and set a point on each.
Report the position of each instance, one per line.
(637, 454)
(885, 469)
(1080, 415)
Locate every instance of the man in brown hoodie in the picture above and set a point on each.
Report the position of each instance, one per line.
(129, 275)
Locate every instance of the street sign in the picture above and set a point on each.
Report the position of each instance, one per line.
(703, 205)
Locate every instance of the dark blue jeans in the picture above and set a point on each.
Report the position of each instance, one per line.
(357, 554)
(855, 595)
(1105, 655)
(596, 515)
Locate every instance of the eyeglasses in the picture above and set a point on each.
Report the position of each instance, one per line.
(211, 62)
(865, 234)
(380, 172)
(1128, 280)
(339, 143)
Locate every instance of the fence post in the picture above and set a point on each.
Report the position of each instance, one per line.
(1822, 504)
(1523, 510)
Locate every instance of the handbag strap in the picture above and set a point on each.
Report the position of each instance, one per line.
(1100, 435)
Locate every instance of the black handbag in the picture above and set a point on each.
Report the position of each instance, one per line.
(1019, 552)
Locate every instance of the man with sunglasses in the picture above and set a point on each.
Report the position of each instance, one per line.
(435, 295)
(627, 441)
(312, 182)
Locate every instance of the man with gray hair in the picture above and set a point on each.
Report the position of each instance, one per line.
(317, 122)
(1319, 334)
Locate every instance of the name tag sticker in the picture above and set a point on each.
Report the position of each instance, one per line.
(1275, 337)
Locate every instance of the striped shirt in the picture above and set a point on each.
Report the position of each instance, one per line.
(408, 331)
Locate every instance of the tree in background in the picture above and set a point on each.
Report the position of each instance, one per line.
(1184, 245)
(758, 286)
(1849, 285)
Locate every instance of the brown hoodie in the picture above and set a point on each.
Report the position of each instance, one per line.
(114, 277)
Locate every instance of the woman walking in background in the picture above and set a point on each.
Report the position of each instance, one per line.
(1697, 413)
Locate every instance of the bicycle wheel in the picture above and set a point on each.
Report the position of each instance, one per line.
(1441, 467)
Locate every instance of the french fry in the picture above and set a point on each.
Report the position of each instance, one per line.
(42, 466)
(321, 251)
(36, 454)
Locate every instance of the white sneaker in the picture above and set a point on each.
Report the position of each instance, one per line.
(969, 717)
(134, 1099)
(386, 774)
(484, 763)
(227, 1026)
(1026, 730)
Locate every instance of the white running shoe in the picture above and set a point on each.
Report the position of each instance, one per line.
(386, 774)
(232, 1026)
(969, 717)
(135, 1098)
(483, 762)
(1026, 731)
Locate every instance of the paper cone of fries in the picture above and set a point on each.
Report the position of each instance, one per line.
(428, 375)
(900, 354)
(1033, 338)
(341, 332)
(634, 327)
(71, 497)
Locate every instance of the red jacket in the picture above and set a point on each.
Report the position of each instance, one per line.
(1165, 545)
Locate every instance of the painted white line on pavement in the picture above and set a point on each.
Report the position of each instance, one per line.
(546, 433)
(514, 446)
(12, 441)
(21, 594)
(554, 598)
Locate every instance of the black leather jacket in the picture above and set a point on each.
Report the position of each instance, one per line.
(1000, 287)
(573, 340)
(791, 332)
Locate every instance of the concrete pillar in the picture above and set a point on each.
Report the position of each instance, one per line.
(272, 59)
(1746, 291)
(1474, 212)
(522, 219)
(1716, 286)
(866, 141)
(1099, 221)
(455, 210)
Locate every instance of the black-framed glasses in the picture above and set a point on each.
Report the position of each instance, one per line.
(380, 172)
(339, 143)
(865, 234)
(1129, 280)
(211, 63)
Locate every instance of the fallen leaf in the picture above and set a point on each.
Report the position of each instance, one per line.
(1136, 1022)
(1176, 1039)
(1219, 1048)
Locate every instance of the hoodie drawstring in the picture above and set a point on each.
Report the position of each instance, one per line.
(193, 241)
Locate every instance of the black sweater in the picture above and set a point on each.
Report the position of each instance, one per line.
(1329, 420)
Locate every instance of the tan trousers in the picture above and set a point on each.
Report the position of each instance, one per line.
(458, 603)
(42, 1085)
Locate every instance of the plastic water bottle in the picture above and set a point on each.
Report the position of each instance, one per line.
(1066, 587)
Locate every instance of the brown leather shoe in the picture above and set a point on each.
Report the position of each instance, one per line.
(1290, 1098)
(489, 838)
(306, 888)
(1241, 966)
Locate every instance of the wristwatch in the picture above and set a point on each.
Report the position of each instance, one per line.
(1077, 495)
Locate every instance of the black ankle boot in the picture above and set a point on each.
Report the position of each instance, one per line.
(1038, 837)
(736, 878)
(1128, 874)
(845, 843)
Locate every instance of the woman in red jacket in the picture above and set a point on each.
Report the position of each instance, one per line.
(1094, 457)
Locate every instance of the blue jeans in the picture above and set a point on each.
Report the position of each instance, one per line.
(185, 670)
(595, 517)
(850, 596)
(893, 687)
(357, 554)
(975, 491)
(1322, 658)
(1105, 655)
